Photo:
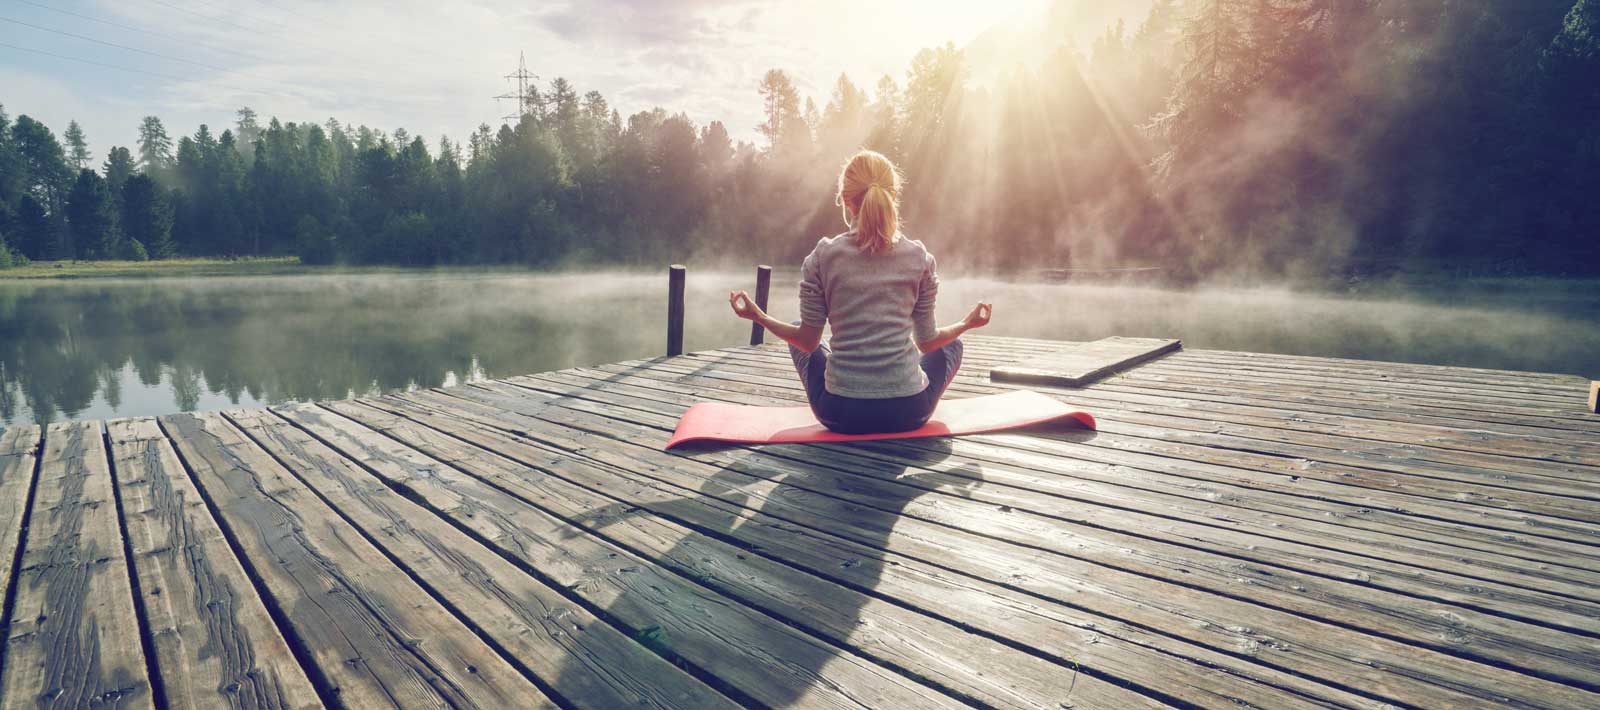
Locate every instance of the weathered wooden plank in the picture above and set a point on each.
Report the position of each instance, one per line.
(1245, 393)
(1337, 362)
(1523, 383)
(1439, 397)
(1547, 541)
(74, 639)
(1484, 581)
(968, 664)
(19, 461)
(586, 661)
(1015, 345)
(1477, 478)
(1594, 397)
(1467, 451)
(1206, 441)
(1440, 404)
(1089, 642)
(1078, 364)
(1316, 582)
(1410, 388)
(214, 642)
(803, 495)
(375, 637)
(764, 659)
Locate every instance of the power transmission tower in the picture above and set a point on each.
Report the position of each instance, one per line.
(522, 76)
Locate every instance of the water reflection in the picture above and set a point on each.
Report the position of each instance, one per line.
(105, 348)
(93, 349)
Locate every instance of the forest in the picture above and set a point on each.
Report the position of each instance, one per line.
(1212, 137)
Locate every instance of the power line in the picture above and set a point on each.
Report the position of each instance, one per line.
(202, 15)
(113, 44)
(152, 33)
(242, 14)
(91, 61)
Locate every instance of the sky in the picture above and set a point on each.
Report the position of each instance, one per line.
(434, 68)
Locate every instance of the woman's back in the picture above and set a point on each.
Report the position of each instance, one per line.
(887, 364)
(875, 303)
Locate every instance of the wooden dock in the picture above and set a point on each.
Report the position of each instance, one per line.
(1244, 531)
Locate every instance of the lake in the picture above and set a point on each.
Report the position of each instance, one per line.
(100, 348)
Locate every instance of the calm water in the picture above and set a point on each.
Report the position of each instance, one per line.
(106, 348)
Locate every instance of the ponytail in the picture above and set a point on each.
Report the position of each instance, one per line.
(869, 190)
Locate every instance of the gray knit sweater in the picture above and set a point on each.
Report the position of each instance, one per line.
(876, 304)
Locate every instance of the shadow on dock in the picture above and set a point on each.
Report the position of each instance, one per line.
(872, 518)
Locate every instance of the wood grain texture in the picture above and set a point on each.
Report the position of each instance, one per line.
(531, 621)
(1078, 364)
(1476, 479)
(74, 638)
(1089, 644)
(375, 637)
(1435, 573)
(1067, 461)
(765, 660)
(1215, 477)
(1244, 530)
(215, 644)
(599, 500)
(1183, 570)
(19, 461)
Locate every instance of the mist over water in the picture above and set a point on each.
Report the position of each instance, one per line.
(108, 348)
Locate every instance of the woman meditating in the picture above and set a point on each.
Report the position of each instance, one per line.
(887, 363)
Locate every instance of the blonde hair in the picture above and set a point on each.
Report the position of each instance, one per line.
(869, 191)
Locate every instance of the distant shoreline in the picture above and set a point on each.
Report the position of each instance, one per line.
(251, 266)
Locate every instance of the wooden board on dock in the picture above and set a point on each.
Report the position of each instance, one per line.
(1243, 530)
(1079, 364)
(1594, 397)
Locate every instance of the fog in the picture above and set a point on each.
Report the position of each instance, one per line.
(105, 348)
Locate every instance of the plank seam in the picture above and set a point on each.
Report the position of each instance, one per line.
(760, 552)
(327, 691)
(910, 674)
(1004, 443)
(1019, 590)
(893, 450)
(1424, 450)
(10, 601)
(417, 499)
(1415, 643)
(426, 587)
(147, 641)
(1244, 447)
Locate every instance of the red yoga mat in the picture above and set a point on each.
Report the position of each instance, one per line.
(718, 421)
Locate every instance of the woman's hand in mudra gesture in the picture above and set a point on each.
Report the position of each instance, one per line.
(744, 306)
(979, 317)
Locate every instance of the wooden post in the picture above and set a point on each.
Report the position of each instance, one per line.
(675, 279)
(1594, 397)
(763, 287)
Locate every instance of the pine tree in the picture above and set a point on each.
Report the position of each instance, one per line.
(781, 104)
(44, 164)
(147, 216)
(77, 146)
(118, 168)
(92, 219)
(155, 148)
(246, 132)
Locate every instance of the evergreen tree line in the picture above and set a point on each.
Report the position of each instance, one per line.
(1263, 136)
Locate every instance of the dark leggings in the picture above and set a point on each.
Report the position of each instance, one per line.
(851, 415)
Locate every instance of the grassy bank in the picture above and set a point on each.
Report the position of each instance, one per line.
(170, 267)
